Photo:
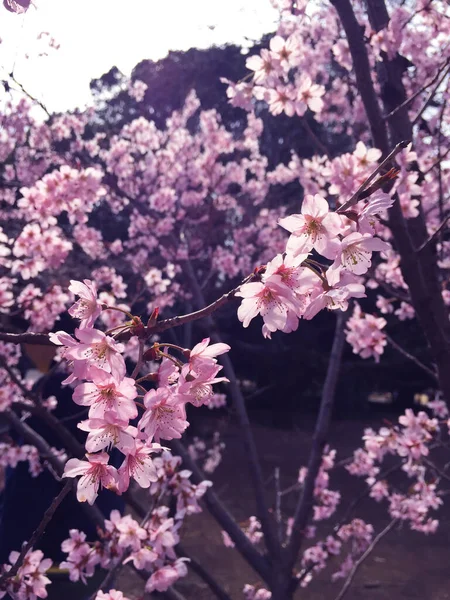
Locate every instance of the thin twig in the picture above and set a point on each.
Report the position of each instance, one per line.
(433, 235)
(355, 197)
(362, 558)
(419, 91)
(30, 96)
(411, 357)
(37, 534)
(431, 94)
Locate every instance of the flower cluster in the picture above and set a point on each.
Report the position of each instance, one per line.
(409, 442)
(149, 546)
(30, 582)
(12, 454)
(364, 332)
(294, 286)
(99, 376)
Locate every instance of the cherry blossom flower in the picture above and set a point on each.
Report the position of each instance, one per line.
(165, 417)
(108, 431)
(203, 353)
(163, 578)
(88, 307)
(139, 465)
(93, 349)
(93, 473)
(106, 393)
(355, 252)
(314, 228)
(275, 304)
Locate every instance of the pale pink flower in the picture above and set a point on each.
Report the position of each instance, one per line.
(263, 65)
(139, 465)
(196, 386)
(336, 296)
(163, 578)
(282, 99)
(165, 417)
(203, 353)
(366, 157)
(355, 252)
(286, 52)
(88, 307)
(309, 95)
(105, 393)
(93, 473)
(108, 431)
(314, 228)
(273, 302)
(98, 350)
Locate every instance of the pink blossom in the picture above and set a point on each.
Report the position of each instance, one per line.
(87, 308)
(163, 578)
(108, 431)
(203, 353)
(196, 386)
(355, 252)
(309, 95)
(273, 302)
(314, 228)
(106, 393)
(96, 349)
(165, 417)
(139, 465)
(93, 473)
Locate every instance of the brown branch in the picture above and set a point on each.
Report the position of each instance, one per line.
(26, 338)
(37, 534)
(201, 313)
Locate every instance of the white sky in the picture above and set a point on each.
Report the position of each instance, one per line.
(95, 35)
